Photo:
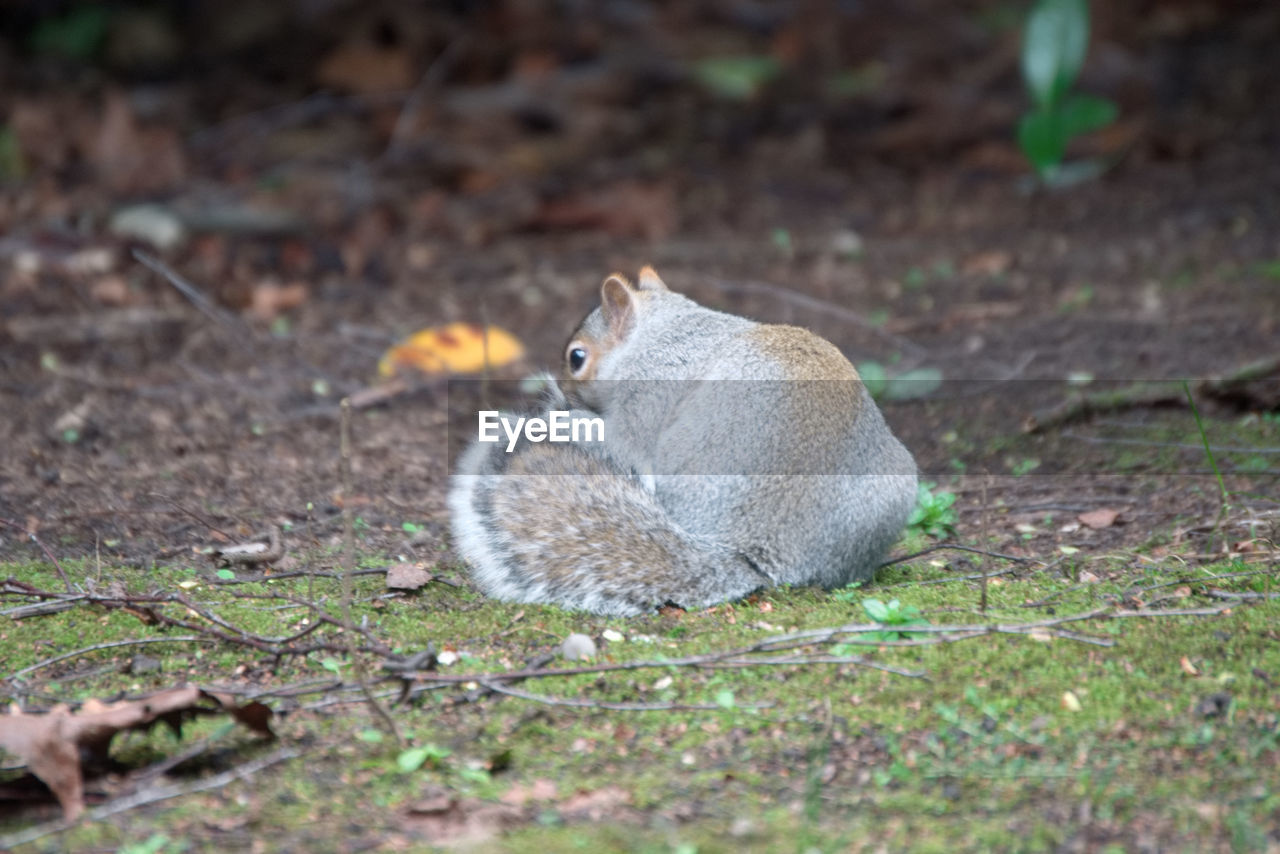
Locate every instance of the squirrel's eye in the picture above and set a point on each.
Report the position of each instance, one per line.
(577, 358)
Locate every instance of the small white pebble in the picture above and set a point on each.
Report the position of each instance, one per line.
(577, 647)
(847, 244)
(153, 224)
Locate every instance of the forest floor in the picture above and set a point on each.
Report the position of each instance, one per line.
(1101, 672)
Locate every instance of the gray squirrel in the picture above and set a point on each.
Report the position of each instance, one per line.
(737, 456)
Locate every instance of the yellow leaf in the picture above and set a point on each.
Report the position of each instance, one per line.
(459, 348)
(1070, 701)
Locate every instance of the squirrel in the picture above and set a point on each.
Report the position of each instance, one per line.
(738, 456)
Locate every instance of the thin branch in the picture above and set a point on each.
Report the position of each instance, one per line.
(959, 548)
(617, 707)
(151, 796)
(197, 298)
(818, 306)
(97, 646)
(299, 573)
(430, 81)
(1225, 594)
(950, 579)
(9, 523)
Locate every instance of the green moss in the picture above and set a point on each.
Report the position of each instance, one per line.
(984, 754)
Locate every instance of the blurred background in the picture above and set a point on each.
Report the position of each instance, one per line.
(937, 187)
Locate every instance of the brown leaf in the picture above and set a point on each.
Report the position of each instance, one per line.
(403, 576)
(1187, 667)
(624, 209)
(51, 744)
(1101, 518)
(112, 290)
(595, 806)
(443, 818)
(539, 790)
(271, 298)
(366, 68)
(130, 158)
(990, 263)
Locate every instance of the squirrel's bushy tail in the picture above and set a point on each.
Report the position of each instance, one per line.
(558, 524)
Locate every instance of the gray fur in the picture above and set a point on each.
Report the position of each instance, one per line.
(707, 489)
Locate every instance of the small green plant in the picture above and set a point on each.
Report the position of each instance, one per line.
(12, 164)
(896, 617)
(77, 35)
(1026, 465)
(934, 515)
(736, 78)
(415, 757)
(848, 593)
(908, 385)
(1053, 50)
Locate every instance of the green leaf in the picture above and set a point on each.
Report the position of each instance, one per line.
(1084, 113)
(75, 35)
(412, 759)
(12, 165)
(410, 528)
(371, 736)
(737, 78)
(1041, 139)
(725, 699)
(873, 377)
(475, 775)
(912, 385)
(332, 665)
(226, 575)
(876, 610)
(1053, 48)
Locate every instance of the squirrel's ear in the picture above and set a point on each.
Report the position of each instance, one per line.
(649, 280)
(617, 304)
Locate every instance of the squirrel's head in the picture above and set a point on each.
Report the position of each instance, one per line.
(609, 326)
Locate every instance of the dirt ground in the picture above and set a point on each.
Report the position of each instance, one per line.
(533, 156)
(903, 220)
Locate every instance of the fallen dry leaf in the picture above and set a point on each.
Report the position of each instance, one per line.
(130, 158)
(540, 789)
(402, 576)
(625, 209)
(51, 745)
(1187, 667)
(271, 298)
(366, 68)
(595, 805)
(445, 819)
(111, 290)
(990, 263)
(1104, 517)
(459, 348)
